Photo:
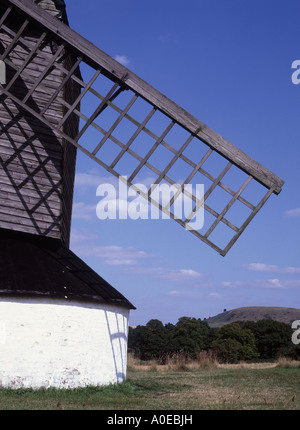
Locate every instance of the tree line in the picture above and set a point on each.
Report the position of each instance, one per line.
(247, 340)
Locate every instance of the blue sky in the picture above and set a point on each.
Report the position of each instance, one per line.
(228, 63)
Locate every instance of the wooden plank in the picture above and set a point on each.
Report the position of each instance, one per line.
(61, 86)
(35, 213)
(168, 167)
(55, 234)
(5, 15)
(80, 96)
(32, 197)
(42, 212)
(28, 126)
(248, 220)
(31, 178)
(28, 153)
(208, 192)
(31, 188)
(155, 137)
(53, 115)
(27, 60)
(40, 227)
(98, 110)
(133, 137)
(150, 152)
(45, 72)
(13, 42)
(115, 124)
(115, 70)
(20, 179)
(40, 174)
(223, 220)
(191, 175)
(16, 140)
(9, 195)
(227, 207)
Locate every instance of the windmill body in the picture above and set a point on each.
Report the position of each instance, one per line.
(61, 324)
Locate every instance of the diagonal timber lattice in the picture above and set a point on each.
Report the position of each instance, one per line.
(129, 128)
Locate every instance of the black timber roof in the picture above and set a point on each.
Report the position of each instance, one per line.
(32, 266)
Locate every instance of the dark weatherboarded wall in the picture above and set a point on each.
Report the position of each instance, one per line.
(36, 167)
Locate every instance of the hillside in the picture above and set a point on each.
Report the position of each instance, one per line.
(254, 313)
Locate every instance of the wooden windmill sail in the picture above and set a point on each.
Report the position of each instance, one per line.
(46, 99)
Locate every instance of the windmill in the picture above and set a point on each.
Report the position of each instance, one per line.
(62, 94)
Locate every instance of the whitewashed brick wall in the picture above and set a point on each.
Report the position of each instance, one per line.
(63, 344)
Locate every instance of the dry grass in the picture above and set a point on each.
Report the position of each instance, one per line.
(245, 386)
(154, 387)
(287, 363)
(176, 362)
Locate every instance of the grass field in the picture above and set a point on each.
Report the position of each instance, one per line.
(236, 387)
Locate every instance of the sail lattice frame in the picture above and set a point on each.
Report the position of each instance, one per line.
(126, 122)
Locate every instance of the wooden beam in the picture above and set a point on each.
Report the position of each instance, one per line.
(111, 68)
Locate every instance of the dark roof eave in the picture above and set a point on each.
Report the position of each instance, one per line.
(39, 267)
(85, 298)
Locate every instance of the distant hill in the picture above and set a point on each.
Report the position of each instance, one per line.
(254, 313)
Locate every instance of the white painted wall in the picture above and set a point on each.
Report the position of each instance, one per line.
(63, 344)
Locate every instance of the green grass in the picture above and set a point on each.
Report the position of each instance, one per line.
(219, 388)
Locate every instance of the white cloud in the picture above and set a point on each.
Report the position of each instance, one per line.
(261, 267)
(174, 293)
(227, 284)
(189, 273)
(82, 236)
(85, 180)
(167, 275)
(216, 295)
(122, 59)
(117, 255)
(293, 213)
(83, 211)
(86, 245)
(186, 294)
(273, 283)
(194, 294)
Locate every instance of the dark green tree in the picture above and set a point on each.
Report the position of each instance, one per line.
(150, 341)
(233, 343)
(190, 335)
(273, 338)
